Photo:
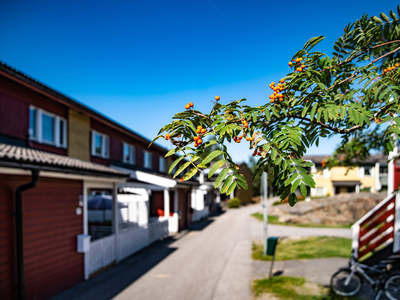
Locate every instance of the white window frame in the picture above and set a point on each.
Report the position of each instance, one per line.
(132, 154)
(39, 128)
(162, 164)
(148, 160)
(105, 144)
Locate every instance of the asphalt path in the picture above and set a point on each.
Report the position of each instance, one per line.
(212, 260)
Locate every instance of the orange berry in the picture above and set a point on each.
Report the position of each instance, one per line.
(195, 138)
(282, 81)
(290, 63)
(199, 141)
(217, 98)
(203, 130)
(247, 138)
(240, 137)
(196, 145)
(191, 104)
(272, 83)
(303, 66)
(187, 106)
(251, 139)
(237, 141)
(396, 65)
(272, 101)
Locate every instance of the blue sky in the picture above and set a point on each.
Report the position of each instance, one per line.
(139, 62)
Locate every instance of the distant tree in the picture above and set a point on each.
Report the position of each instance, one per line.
(354, 93)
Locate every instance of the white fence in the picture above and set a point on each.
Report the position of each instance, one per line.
(101, 254)
(132, 240)
(158, 229)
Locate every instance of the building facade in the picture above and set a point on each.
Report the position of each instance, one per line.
(88, 190)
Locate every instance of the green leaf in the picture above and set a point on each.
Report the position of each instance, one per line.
(303, 189)
(313, 42)
(215, 167)
(273, 154)
(267, 114)
(313, 110)
(181, 168)
(173, 151)
(242, 184)
(376, 19)
(240, 177)
(219, 127)
(174, 164)
(226, 184)
(292, 199)
(291, 178)
(384, 17)
(211, 156)
(221, 177)
(294, 186)
(190, 174)
(266, 147)
(231, 188)
(216, 122)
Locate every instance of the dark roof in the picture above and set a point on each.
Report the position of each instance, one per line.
(14, 156)
(380, 158)
(39, 85)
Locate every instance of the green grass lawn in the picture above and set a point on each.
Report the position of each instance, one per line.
(303, 248)
(293, 288)
(275, 221)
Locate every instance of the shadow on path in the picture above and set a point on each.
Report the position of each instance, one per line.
(114, 280)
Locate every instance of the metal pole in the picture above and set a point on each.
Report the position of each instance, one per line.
(264, 192)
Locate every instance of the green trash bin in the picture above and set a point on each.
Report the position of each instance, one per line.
(271, 245)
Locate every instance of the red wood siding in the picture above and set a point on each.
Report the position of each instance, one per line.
(116, 140)
(156, 202)
(7, 242)
(100, 160)
(396, 174)
(30, 97)
(51, 225)
(48, 148)
(14, 117)
(156, 163)
(115, 149)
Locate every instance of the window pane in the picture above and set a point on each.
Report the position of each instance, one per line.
(133, 159)
(126, 153)
(48, 128)
(32, 123)
(97, 144)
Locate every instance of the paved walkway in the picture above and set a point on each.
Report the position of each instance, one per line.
(210, 261)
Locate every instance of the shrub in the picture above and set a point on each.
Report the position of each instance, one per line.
(234, 203)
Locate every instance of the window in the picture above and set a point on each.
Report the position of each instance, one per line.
(163, 164)
(100, 144)
(128, 154)
(47, 128)
(367, 171)
(148, 160)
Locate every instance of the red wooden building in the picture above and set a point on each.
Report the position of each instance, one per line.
(58, 160)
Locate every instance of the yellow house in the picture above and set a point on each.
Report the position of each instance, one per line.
(371, 176)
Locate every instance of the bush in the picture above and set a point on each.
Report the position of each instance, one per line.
(234, 203)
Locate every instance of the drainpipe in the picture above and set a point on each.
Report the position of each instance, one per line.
(19, 232)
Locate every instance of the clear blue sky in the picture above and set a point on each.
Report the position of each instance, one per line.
(139, 62)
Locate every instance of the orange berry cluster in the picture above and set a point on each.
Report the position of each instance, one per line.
(245, 124)
(238, 139)
(249, 138)
(389, 69)
(187, 106)
(257, 151)
(200, 129)
(323, 163)
(277, 89)
(297, 63)
(167, 137)
(217, 98)
(197, 141)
